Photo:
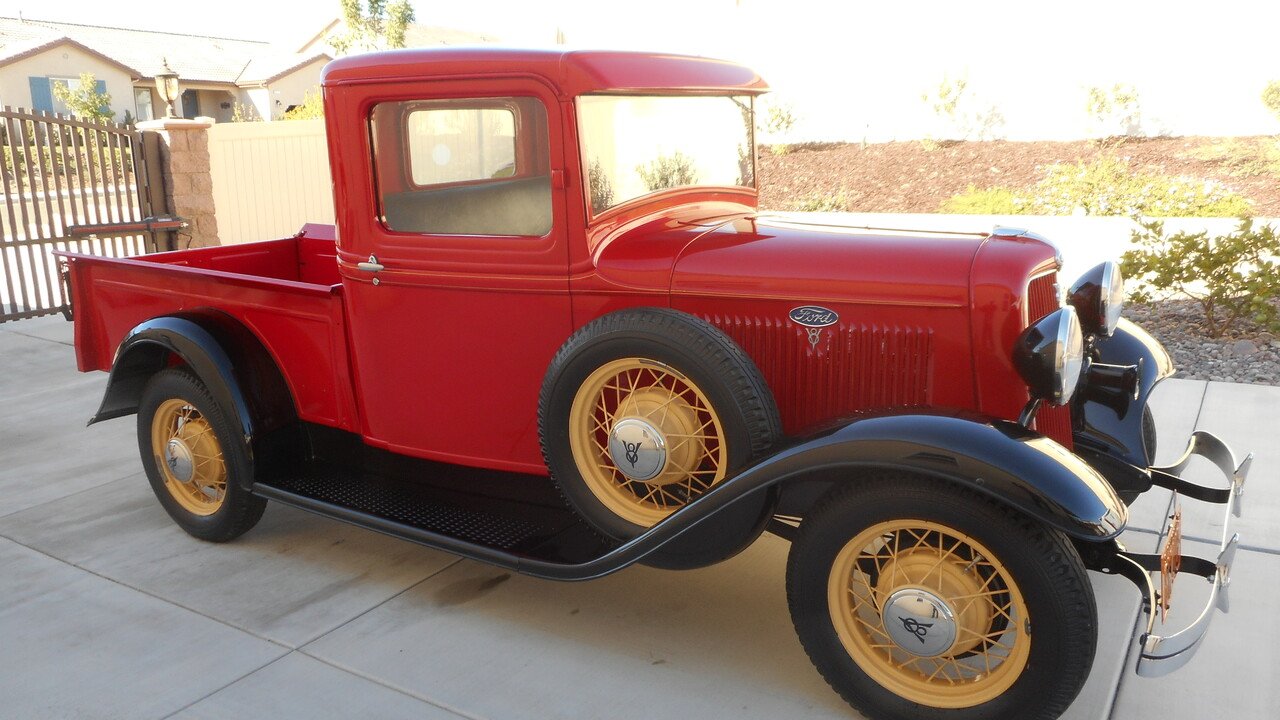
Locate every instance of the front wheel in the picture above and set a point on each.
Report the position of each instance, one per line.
(917, 599)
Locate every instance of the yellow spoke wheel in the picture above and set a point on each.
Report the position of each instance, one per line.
(929, 613)
(189, 457)
(645, 439)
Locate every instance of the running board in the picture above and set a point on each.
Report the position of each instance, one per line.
(517, 534)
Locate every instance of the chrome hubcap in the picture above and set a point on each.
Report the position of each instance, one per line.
(920, 622)
(637, 449)
(178, 457)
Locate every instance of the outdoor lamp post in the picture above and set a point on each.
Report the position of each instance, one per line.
(167, 86)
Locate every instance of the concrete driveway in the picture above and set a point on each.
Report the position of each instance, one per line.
(108, 610)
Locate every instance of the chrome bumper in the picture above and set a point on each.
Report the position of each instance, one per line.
(1162, 654)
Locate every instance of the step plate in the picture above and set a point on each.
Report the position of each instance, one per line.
(420, 510)
(494, 517)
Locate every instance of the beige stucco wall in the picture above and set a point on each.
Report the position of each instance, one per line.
(65, 61)
(211, 104)
(258, 100)
(289, 90)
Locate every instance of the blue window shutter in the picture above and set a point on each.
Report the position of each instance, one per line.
(101, 89)
(41, 96)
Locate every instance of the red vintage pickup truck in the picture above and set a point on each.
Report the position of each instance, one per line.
(552, 331)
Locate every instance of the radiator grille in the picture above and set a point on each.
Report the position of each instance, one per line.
(1042, 299)
(851, 367)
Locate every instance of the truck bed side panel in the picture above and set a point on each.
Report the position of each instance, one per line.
(301, 324)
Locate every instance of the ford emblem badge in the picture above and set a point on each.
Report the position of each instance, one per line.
(814, 316)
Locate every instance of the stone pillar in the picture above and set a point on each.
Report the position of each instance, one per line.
(188, 186)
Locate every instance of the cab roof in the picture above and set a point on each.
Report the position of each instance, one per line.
(571, 72)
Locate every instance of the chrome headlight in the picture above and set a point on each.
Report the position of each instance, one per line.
(1099, 298)
(1049, 355)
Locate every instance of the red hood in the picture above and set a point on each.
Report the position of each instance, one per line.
(786, 258)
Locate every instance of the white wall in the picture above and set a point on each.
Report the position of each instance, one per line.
(65, 61)
(1198, 67)
(269, 178)
(859, 68)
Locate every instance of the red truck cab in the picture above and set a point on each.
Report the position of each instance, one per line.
(552, 331)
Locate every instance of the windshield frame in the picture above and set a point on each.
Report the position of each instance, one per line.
(751, 191)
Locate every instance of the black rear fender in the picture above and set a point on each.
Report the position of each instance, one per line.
(229, 359)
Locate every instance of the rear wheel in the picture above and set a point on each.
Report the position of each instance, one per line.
(916, 599)
(195, 459)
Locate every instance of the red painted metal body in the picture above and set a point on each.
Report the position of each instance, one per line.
(443, 356)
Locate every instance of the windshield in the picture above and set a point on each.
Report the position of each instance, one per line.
(635, 145)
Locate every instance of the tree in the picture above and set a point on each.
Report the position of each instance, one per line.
(84, 100)
(1271, 97)
(378, 25)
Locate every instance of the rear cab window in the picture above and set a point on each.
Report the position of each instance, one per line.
(475, 166)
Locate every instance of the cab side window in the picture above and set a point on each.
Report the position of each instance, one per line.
(478, 166)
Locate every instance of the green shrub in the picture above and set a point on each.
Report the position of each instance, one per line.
(776, 121)
(668, 171)
(964, 116)
(1230, 276)
(311, 108)
(982, 201)
(1108, 186)
(600, 187)
(1271, 97)
(836, 202)
(1242, 157)
(1116, 111)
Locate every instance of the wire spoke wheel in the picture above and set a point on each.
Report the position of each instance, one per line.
(645, 439)
(929, 613)
(189, 457)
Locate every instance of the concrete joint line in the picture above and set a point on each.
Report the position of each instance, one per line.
(149, 594)
(224, 687)
(403, 691)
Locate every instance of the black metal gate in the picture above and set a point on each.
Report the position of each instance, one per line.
(68, 184)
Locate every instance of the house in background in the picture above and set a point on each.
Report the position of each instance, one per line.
(216, 73)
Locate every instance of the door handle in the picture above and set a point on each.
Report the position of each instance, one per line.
(372, 266)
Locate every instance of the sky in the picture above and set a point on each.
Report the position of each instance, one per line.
(854, 69)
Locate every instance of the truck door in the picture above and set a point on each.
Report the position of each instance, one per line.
(454, 267)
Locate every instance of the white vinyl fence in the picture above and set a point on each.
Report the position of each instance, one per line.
(269, 178)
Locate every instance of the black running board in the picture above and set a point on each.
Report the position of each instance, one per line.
(533, 539)
(496, 528)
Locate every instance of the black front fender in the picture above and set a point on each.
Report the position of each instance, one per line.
(1003, 460)
(1000, 459)
(1109, 435)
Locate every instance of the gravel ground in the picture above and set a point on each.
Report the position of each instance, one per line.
(1246, 354)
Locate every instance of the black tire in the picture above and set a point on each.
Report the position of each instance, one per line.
(239, 509)
(714, 363)
(1044, 566)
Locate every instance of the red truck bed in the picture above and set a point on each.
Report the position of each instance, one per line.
(287, 292)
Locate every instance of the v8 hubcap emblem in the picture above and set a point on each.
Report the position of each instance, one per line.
(920, 622)
(637, 449)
